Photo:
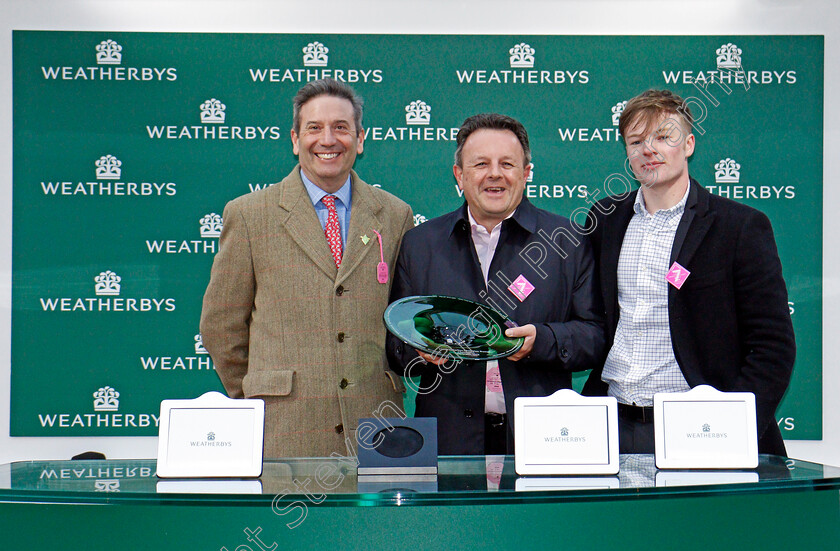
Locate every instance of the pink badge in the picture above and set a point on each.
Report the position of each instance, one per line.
(521, 288)
(382, 272)
(382, 267)
(494, 472)
(494, 380)
(677, 275)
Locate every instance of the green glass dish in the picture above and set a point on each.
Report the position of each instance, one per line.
(451, 327)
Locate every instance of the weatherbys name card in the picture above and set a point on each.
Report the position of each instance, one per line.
(700, 478)
(566, 434)
(212, 436)
(533, 484)
(705, 429)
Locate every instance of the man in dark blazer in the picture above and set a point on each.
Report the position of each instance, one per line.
(500, 250)
(691, 283)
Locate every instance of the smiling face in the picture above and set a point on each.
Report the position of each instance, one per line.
(328, 141)
(658, 151)
(493, 175)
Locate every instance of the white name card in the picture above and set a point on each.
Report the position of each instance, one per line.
(212, 436)
(566, 433)
(209, 487)
(532, 484)
(705, 429)
(699, 478)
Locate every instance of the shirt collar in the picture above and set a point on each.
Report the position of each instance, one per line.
(475, 226)
(525, 217)
(639, 206)
(316, 194)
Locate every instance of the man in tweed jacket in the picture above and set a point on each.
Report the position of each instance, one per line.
(281, 321)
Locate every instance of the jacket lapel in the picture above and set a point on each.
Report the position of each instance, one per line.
(696, 218)
(364, 219)
(298, 216)
(694, 225)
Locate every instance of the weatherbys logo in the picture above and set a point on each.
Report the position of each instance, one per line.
(605, 134)
(213, 111)
(106, 406)
(107, 288)
(109, 182)
(728, 184)
(418, 127)
(706, 432)
(109, 58)
(106, 399)
(617, 110)
(315, 61)
(106, 476)
(209, 227)
(200, 361)
(553, 191)
(522, 60)
(210, 441)
(212, 116)
(545, 191)
(564, 437)
(109, 485)
(730, 70)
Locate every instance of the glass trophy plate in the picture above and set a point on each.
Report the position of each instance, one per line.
(451, 327)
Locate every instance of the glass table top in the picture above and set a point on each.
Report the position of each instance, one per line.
(333, 482)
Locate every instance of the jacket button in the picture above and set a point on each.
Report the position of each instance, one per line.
(339, 291)
(341, 337)
(468, 413)
(343, 383)
(339, 428)
(564, 353)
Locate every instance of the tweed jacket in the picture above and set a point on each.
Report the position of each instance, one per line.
(282, 323)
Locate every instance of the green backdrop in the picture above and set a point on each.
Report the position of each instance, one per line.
(128, 145)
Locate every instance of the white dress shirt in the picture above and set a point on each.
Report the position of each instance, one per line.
(485, 247)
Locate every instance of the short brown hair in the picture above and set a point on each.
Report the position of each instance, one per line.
(650, 105)
(326, 87)
(492, 121)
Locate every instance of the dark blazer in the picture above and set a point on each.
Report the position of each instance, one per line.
(438, 257)
(730, 322)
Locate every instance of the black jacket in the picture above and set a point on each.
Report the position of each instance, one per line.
(730, 322)
(438, 257)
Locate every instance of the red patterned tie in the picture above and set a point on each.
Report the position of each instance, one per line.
(332, 230)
